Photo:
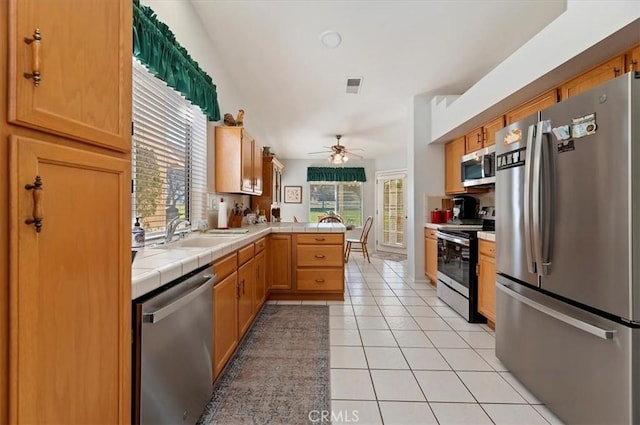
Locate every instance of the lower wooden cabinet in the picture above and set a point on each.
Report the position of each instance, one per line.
(225, 321)
(487, 281)
(69, 285)
(246, 283)
(318, 279)
(319, 263)
(279, 261)
(431, 255)
(260, 293)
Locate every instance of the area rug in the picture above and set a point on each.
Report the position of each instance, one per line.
(279, 374)
(390, 256)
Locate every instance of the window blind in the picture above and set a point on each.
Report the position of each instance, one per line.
(169, 141)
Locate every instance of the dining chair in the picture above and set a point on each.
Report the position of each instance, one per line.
(332, 218)
(360, 244)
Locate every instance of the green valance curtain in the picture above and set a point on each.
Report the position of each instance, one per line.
(336, 174)
(156, 47)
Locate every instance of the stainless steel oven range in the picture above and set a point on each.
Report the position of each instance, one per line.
(457, 280)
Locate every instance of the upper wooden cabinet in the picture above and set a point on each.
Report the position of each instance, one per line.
(632, 59)
(483, 136)
(490, 129)
(70, 286)
(272, 186)
(532, 106)
(453, 151)
(238, 162)
(473, 140)
(595, 76)
(79, 75)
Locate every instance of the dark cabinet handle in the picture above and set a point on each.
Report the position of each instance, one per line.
(319, 280)
(616, 72)
(319, 256)
(319, 239)
(38, 193)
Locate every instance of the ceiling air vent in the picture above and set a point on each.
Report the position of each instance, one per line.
(353, 84)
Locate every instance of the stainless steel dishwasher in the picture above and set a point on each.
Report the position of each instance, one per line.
(172, 355)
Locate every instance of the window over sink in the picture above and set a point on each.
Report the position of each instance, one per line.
(168, 154)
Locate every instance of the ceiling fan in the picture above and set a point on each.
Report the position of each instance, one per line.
(339, 153)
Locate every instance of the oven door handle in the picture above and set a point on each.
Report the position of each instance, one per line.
(169, 309)
(454, 239)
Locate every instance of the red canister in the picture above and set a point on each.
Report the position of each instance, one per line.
(448, 215)
(436, 216)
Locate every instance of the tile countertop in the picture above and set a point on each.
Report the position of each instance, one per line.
(487, 236)
(159, 265)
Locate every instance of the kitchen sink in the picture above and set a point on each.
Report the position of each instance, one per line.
(197, 242)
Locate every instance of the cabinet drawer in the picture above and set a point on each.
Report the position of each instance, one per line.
(321, 239)
(225, 266)
(430, 233)
(487, 248)
(261, 244)
(245, 254)
(319, 255)
(320, 280)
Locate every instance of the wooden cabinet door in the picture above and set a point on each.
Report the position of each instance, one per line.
(246, 162)
(225, 321)
(431, 262)
(473, 140)
(70, 285)
(632, 59)
(490, 130)
(532, 106)
(453, 151)
(261, 280)
(246, 283)
(257, 168)
(487, 287)
(598, 75)
(84, 63)
(279, 262)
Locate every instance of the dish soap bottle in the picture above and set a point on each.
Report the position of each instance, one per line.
(137, 235)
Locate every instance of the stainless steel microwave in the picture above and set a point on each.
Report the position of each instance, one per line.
(479, 167)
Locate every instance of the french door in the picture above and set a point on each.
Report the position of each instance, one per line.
(390, 211)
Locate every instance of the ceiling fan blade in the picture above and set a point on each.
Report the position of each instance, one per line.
(310, 153)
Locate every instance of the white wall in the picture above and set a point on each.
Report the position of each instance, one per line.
(542, 62)
(426, 177)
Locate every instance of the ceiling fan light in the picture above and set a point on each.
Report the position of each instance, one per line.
(345, 158)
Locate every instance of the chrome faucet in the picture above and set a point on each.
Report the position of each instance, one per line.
(172, 225)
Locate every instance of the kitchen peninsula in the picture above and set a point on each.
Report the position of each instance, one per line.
(294, 252)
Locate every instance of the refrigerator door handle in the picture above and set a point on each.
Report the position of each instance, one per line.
(548, 168)
(536, 198)
(578, 324)
(528, 167)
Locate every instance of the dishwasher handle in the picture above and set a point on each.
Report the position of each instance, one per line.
(167, 310)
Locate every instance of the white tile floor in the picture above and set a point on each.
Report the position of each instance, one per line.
(399, 355)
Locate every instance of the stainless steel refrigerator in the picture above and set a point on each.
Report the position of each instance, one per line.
(568, 254)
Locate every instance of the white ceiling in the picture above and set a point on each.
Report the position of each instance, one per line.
(294, 87)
